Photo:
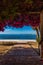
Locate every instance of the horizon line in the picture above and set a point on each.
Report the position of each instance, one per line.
(19, 33)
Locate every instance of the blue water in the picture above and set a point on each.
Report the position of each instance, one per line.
(18, 36)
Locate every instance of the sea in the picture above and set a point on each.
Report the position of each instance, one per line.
(18, 36)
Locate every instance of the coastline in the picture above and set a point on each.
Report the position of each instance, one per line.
(18, 41)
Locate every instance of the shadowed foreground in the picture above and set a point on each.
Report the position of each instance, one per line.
(21, 54)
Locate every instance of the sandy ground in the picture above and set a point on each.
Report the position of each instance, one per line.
(4, 49)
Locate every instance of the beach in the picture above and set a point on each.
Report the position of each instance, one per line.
(18, 41)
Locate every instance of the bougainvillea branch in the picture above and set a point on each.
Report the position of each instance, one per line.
(21, 20)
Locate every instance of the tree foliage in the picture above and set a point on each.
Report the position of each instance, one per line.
(12, 10)
(12, 7)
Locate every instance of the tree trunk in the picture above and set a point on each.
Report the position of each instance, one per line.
(37, 31)
(41, 31)
(38, 37)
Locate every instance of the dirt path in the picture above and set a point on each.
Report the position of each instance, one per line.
(22, 54)
(22, 50)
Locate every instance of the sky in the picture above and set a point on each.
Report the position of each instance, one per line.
(23, 30)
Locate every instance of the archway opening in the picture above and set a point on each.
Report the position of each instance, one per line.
(26, 33)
